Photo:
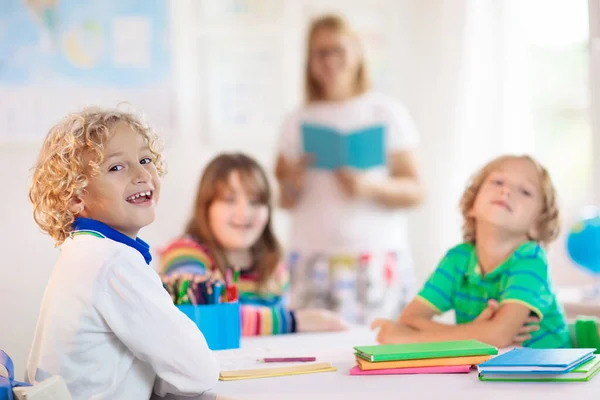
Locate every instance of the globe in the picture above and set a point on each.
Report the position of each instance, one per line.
(583, 242)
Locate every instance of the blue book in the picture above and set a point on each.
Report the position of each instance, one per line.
(582, 373)
(542, 361)
(360, 149)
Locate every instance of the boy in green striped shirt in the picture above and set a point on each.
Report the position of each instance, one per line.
(497, 281)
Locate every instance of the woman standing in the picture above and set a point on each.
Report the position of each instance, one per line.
(349, 245)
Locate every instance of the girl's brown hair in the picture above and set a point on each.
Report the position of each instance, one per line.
(337, 24)
(266, 252)
(548, 221)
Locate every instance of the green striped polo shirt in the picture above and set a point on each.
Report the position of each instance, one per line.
(457, 284)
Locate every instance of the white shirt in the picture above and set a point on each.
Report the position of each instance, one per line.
(109, 328)
(325, 220)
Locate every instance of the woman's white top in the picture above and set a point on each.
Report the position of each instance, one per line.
(324, 219)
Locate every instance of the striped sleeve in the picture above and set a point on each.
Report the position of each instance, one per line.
(527, 281)
(260, 320)
(438, 291)
(263, 310)
(271, 293)
(185, 255)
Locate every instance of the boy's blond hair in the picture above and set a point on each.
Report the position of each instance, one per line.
(548, 223)
(70, 155)
(337, 24)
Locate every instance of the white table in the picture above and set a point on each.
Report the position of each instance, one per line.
(336, 348)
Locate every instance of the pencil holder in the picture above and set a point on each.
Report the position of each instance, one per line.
(219, 323)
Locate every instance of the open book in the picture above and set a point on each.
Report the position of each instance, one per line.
(360, 149)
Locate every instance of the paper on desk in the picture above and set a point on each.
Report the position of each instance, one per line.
(241, 359)
(243, 364)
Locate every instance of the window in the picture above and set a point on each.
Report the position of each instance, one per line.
(557, 38)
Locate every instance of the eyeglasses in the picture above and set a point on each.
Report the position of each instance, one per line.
(336, 51)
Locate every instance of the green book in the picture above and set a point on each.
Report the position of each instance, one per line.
(583, 373)
(418, 351)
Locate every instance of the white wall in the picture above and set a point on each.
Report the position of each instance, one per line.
(29, 255)
(426, 63)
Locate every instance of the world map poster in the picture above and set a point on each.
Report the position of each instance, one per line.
(57, 56)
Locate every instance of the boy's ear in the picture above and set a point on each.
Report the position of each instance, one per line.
(534, 232)
(76, 205)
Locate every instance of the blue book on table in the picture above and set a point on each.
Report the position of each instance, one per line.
(363, 148)
(542, 361)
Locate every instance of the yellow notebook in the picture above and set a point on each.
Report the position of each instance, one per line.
(276, 371)
(426, 362)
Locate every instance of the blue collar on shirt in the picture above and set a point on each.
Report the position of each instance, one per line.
(87, 225)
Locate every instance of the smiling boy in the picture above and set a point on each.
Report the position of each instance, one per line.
(106, 325)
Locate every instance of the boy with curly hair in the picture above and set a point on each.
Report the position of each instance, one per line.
(106, 324)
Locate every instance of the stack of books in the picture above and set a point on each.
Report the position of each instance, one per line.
(541, 365)
(421, 358)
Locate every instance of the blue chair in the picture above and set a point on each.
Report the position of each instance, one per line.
(7, 377)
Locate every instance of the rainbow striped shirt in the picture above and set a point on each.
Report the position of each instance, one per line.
(263, 312)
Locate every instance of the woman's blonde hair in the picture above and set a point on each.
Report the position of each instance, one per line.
(266, 251)
(70, 155)
(548, 224)
(337, 24)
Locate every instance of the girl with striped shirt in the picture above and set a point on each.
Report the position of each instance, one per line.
(231, 229)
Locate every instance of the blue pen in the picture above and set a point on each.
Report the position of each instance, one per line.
(217, 290)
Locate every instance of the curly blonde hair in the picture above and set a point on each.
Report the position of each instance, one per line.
(548, 222)
(70, 155)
